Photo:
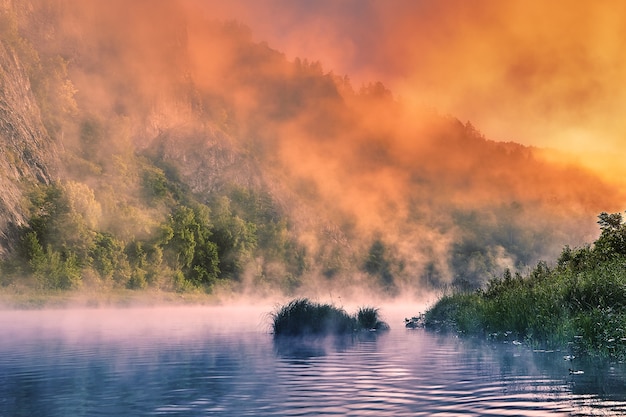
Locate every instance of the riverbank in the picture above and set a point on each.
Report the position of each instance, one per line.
(577, 305)
(30, 299)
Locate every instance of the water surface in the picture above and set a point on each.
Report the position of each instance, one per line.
(223, 362)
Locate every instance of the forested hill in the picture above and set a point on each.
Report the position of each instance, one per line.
(146, 145)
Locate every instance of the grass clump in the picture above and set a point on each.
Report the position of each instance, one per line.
(368, 318)
(302, 317)
(579, 304)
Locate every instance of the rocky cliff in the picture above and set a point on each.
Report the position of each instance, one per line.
(27, 153)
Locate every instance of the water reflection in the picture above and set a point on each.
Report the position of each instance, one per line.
(294, 347)
(200, 362)
(599, 388)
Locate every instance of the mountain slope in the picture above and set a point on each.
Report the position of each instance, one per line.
(26, 151)
(194, 156)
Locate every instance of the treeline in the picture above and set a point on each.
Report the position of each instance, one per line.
(118, 214)
(213, 160)
(122, 213)
(579, 302)
(196, 245)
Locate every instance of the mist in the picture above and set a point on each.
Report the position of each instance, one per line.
(537, 74)
(438, 175)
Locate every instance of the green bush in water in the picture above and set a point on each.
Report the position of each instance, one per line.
(302, 317)
(369, 319)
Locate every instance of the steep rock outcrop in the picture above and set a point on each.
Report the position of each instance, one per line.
(207, 159)
(27, 153)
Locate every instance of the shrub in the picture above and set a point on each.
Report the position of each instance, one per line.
(368, 319)
(457, 312)
(581, 303)
(302, 317)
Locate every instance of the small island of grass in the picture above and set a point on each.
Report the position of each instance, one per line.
(302, 317)
(579, 304)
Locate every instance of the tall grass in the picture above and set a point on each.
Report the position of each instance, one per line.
(301, 317)
(368, 318)
(580, 304)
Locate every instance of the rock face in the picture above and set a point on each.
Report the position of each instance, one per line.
(27, 153)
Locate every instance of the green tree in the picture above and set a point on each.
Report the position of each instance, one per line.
(193, 251)
(52, 269)
(109, 259)
(612, 240)
(183, 241)
(235, 238)
(377, 264)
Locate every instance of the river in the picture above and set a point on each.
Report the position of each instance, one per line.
(217, 361)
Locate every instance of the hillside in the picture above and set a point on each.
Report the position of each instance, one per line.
(27, 154)
(164, 149)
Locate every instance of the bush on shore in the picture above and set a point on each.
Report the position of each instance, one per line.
(578, 304)
(301, 317)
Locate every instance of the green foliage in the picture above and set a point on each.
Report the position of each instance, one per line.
(137, 280)
(155, 183)
(47, 205)
(487, 238)
(368, 318)
(107, 255)
(52, 269)
(302, 317)
(193, 251)
(235, 238)
(63, 215)
(181, 284)
(194, 247)
(254, 226)
(581, 302)
(612, 240)
(378, 264)
(457, 312)
(51, 262)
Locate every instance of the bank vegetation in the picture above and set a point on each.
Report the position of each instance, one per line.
(577, 304)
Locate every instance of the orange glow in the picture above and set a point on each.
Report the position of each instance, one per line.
(528, 72)
(525, 71)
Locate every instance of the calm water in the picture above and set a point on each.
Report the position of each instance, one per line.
(213, 362)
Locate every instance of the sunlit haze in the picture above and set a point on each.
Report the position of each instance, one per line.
(400, 145)
(548, 74)
(302, 207)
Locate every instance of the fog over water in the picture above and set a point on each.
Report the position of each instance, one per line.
(223, 361)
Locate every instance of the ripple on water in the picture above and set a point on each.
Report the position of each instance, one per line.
(183, 366)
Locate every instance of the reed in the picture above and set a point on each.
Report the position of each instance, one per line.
(303, 317)
(580, 309)
(368, 318)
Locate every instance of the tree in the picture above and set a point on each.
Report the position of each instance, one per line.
(235, 238)
(612, 240)
(194, 253)
(183, 241)
(610, 222)
(378, 265)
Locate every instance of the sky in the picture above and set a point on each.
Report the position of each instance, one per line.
(548, 74)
